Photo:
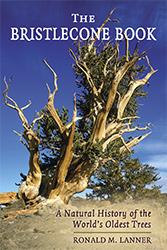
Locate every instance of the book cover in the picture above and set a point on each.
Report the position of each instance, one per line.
(83, 124)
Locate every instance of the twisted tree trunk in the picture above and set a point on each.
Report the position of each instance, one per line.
(29, 189)
(73, 172)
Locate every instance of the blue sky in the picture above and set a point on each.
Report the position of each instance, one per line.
(22, 61)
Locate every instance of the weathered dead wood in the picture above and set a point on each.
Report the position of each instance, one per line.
(133, 142)
(66, 157)
(51, 97)
(133, 86)
(13, 215)
(99, 130)
(29, 189)
(73, 172)
(8, 197)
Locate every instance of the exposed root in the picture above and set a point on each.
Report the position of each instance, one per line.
(12, 215)
(7, 198)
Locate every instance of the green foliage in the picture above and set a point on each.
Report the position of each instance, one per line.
(94, 152)
(96, 62)
(121, 174)
(50, 137)
(127, 177)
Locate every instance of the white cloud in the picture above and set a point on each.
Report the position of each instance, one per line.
(152, 147)
(154, 153)
(163, 182)
(158, 160)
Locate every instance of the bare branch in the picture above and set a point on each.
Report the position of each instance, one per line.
(70, 123)
(117, 56)
(133, 142)
(148, 62)
(125, 144)
(17, 133)
(14, 105)
(110, 139)
(112, 126)
(135, 129)
(133, 86)
(126, 48)
(99, 31)
(104, 161)
(114, 130)
(136, 48)
(101, 87)
(118, 77)
(30, 187)
(107, 62)
(49, 91)
(119, 97)
(86, 71)
(54, 75)
(75, 109)
(21, 139)
(26, 106)
(129, 118)
(6, 97)
(56, 117)
(50, 104)
(113, 138)
(99, 129)
(37, 119)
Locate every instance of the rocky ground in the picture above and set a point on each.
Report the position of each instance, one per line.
(45, 231)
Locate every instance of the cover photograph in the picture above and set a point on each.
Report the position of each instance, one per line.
(83, 124)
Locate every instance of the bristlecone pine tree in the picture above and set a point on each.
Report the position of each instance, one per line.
(107, 110)
(126, 178)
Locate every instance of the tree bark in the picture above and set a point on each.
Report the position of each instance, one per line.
(29, 189)
(7, 198)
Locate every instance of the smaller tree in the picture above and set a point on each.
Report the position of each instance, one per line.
(126, 178)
